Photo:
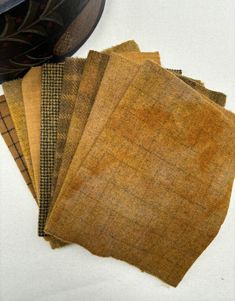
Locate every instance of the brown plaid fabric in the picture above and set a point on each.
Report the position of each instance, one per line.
(14, 99)
(72, 74)
(154, 188)
(52, 76)
(10, 137)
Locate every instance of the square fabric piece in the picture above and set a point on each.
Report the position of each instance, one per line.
(121, 72)
(154, 188)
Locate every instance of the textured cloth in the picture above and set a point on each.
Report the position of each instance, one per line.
(102, 108)
(73, 69)
(154, 189)
(10, 137)
(128, 46)
(215, 96)
(119, 71)
(31, 90)
(91, 77)
(52, 76)
(14, 99)
(93, 72)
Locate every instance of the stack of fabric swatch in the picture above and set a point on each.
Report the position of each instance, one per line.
(124, 157)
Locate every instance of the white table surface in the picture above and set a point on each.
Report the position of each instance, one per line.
(195, 35)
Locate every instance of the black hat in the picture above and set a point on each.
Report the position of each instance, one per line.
(33, 32)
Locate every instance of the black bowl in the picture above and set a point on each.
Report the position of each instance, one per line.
(33, 32)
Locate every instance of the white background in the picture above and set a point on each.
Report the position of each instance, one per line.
(195, 35)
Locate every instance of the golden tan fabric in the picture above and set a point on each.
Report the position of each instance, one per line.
(140, 57)
(91, 78)
(11, 139)
(128, 46)
(154, 189)
(14, 98)
(215, 96)
(31, 90)
(119, 70)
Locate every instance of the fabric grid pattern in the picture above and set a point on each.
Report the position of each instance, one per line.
(92, 75)
(73, 69)
(52, 76)
(10, 137)
(14, 98)
(132, 199)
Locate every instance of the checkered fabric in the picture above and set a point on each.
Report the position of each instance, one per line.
(52, 76)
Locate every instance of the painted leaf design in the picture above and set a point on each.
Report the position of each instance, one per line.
(9, 27)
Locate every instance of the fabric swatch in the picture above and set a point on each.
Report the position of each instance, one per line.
(52, 76)
(31, 91)
(90, 83)
(62, 164)
(93, 72)
(10, 137)
(73, 69)
(154, 188)
(14, 99)
(121, 71)
(128, 46)
(215, 96)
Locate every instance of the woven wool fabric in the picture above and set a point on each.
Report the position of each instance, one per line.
(31, 90)
(62, 164)
(154, 189)
(128, 46)
(119, 71)
(14, 99)
(93, 72)
(10, 137)
(91, 78)
(52, 76)
(140, 57)
(215, 96)
(73, 69)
